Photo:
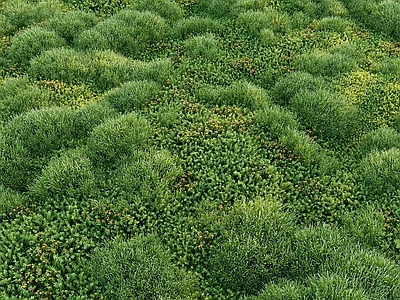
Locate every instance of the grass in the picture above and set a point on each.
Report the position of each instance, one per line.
(199, 149)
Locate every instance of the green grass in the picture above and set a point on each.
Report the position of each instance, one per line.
(199, 149)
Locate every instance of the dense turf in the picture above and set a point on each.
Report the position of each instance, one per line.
(200, 149)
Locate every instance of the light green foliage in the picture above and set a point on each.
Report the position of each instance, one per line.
(70, 24)
(22, 14)
(140, 268)
(117, 140)
(378, 140)
(255, 5)
(133, 95)
(202, 46)
(239, 93)
(31, 42)
(329, 115)
(287, 87)
(254, 247)
(380, 171)
(67, 177)
(101, 70)
(128, 32)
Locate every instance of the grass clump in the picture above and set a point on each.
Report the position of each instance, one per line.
(41, 131)
(18, 95)
(101, 70)
(168, 10)
(144, 184)
(22, 14)
(328, 114)
(202, 46)
(288, 86)
(117, 140)
(31, 42)
(129, 32)
(70, 24)
(379, 140)
(195, 25)
(9, 200)
(132, 95)
(254, 247)
(67, 177)
(325, 64)
(140, 268)
(239, 93)
(275, 120)
(379, 171)
(216, 9)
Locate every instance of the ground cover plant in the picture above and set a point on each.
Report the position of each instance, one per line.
(200, 149)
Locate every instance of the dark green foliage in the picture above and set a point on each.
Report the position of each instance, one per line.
(321, 198)
(254, 247)
(70, 24)
(328, 114)
(101, 7)
(67, 177)
(287, 87)
(101, 69)
(140, 268)
(31, 42)
(379, 171)
(117, 140)
(129, 32)
(378, 140)
(132, 95)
